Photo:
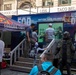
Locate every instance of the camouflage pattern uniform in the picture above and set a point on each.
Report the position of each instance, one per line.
(65, 54)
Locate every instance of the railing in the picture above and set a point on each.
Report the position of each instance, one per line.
(16, 52)
(48, 48)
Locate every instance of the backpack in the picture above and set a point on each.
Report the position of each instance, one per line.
(3, 64)
(42, 72)
(32, 53)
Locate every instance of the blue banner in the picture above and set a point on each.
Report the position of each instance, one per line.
(69, 19)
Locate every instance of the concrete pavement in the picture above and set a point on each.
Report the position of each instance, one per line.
(7, 71)
(10, 72)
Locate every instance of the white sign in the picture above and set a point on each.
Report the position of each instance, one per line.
(39, 10)
(66, 8)
(9, 12)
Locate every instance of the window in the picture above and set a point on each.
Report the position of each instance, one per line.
(47, 3)
(8, 7)
(1, 2)
(64, 2)
(25, 5)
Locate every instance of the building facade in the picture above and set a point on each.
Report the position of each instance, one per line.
(33, 6)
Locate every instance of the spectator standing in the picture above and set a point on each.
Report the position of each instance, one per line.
(2, 45)
(59, 33)
(46, 59)
(49, 34)
(29, 40)
(34, 34)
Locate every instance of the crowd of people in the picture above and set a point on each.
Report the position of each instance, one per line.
(64, 49)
